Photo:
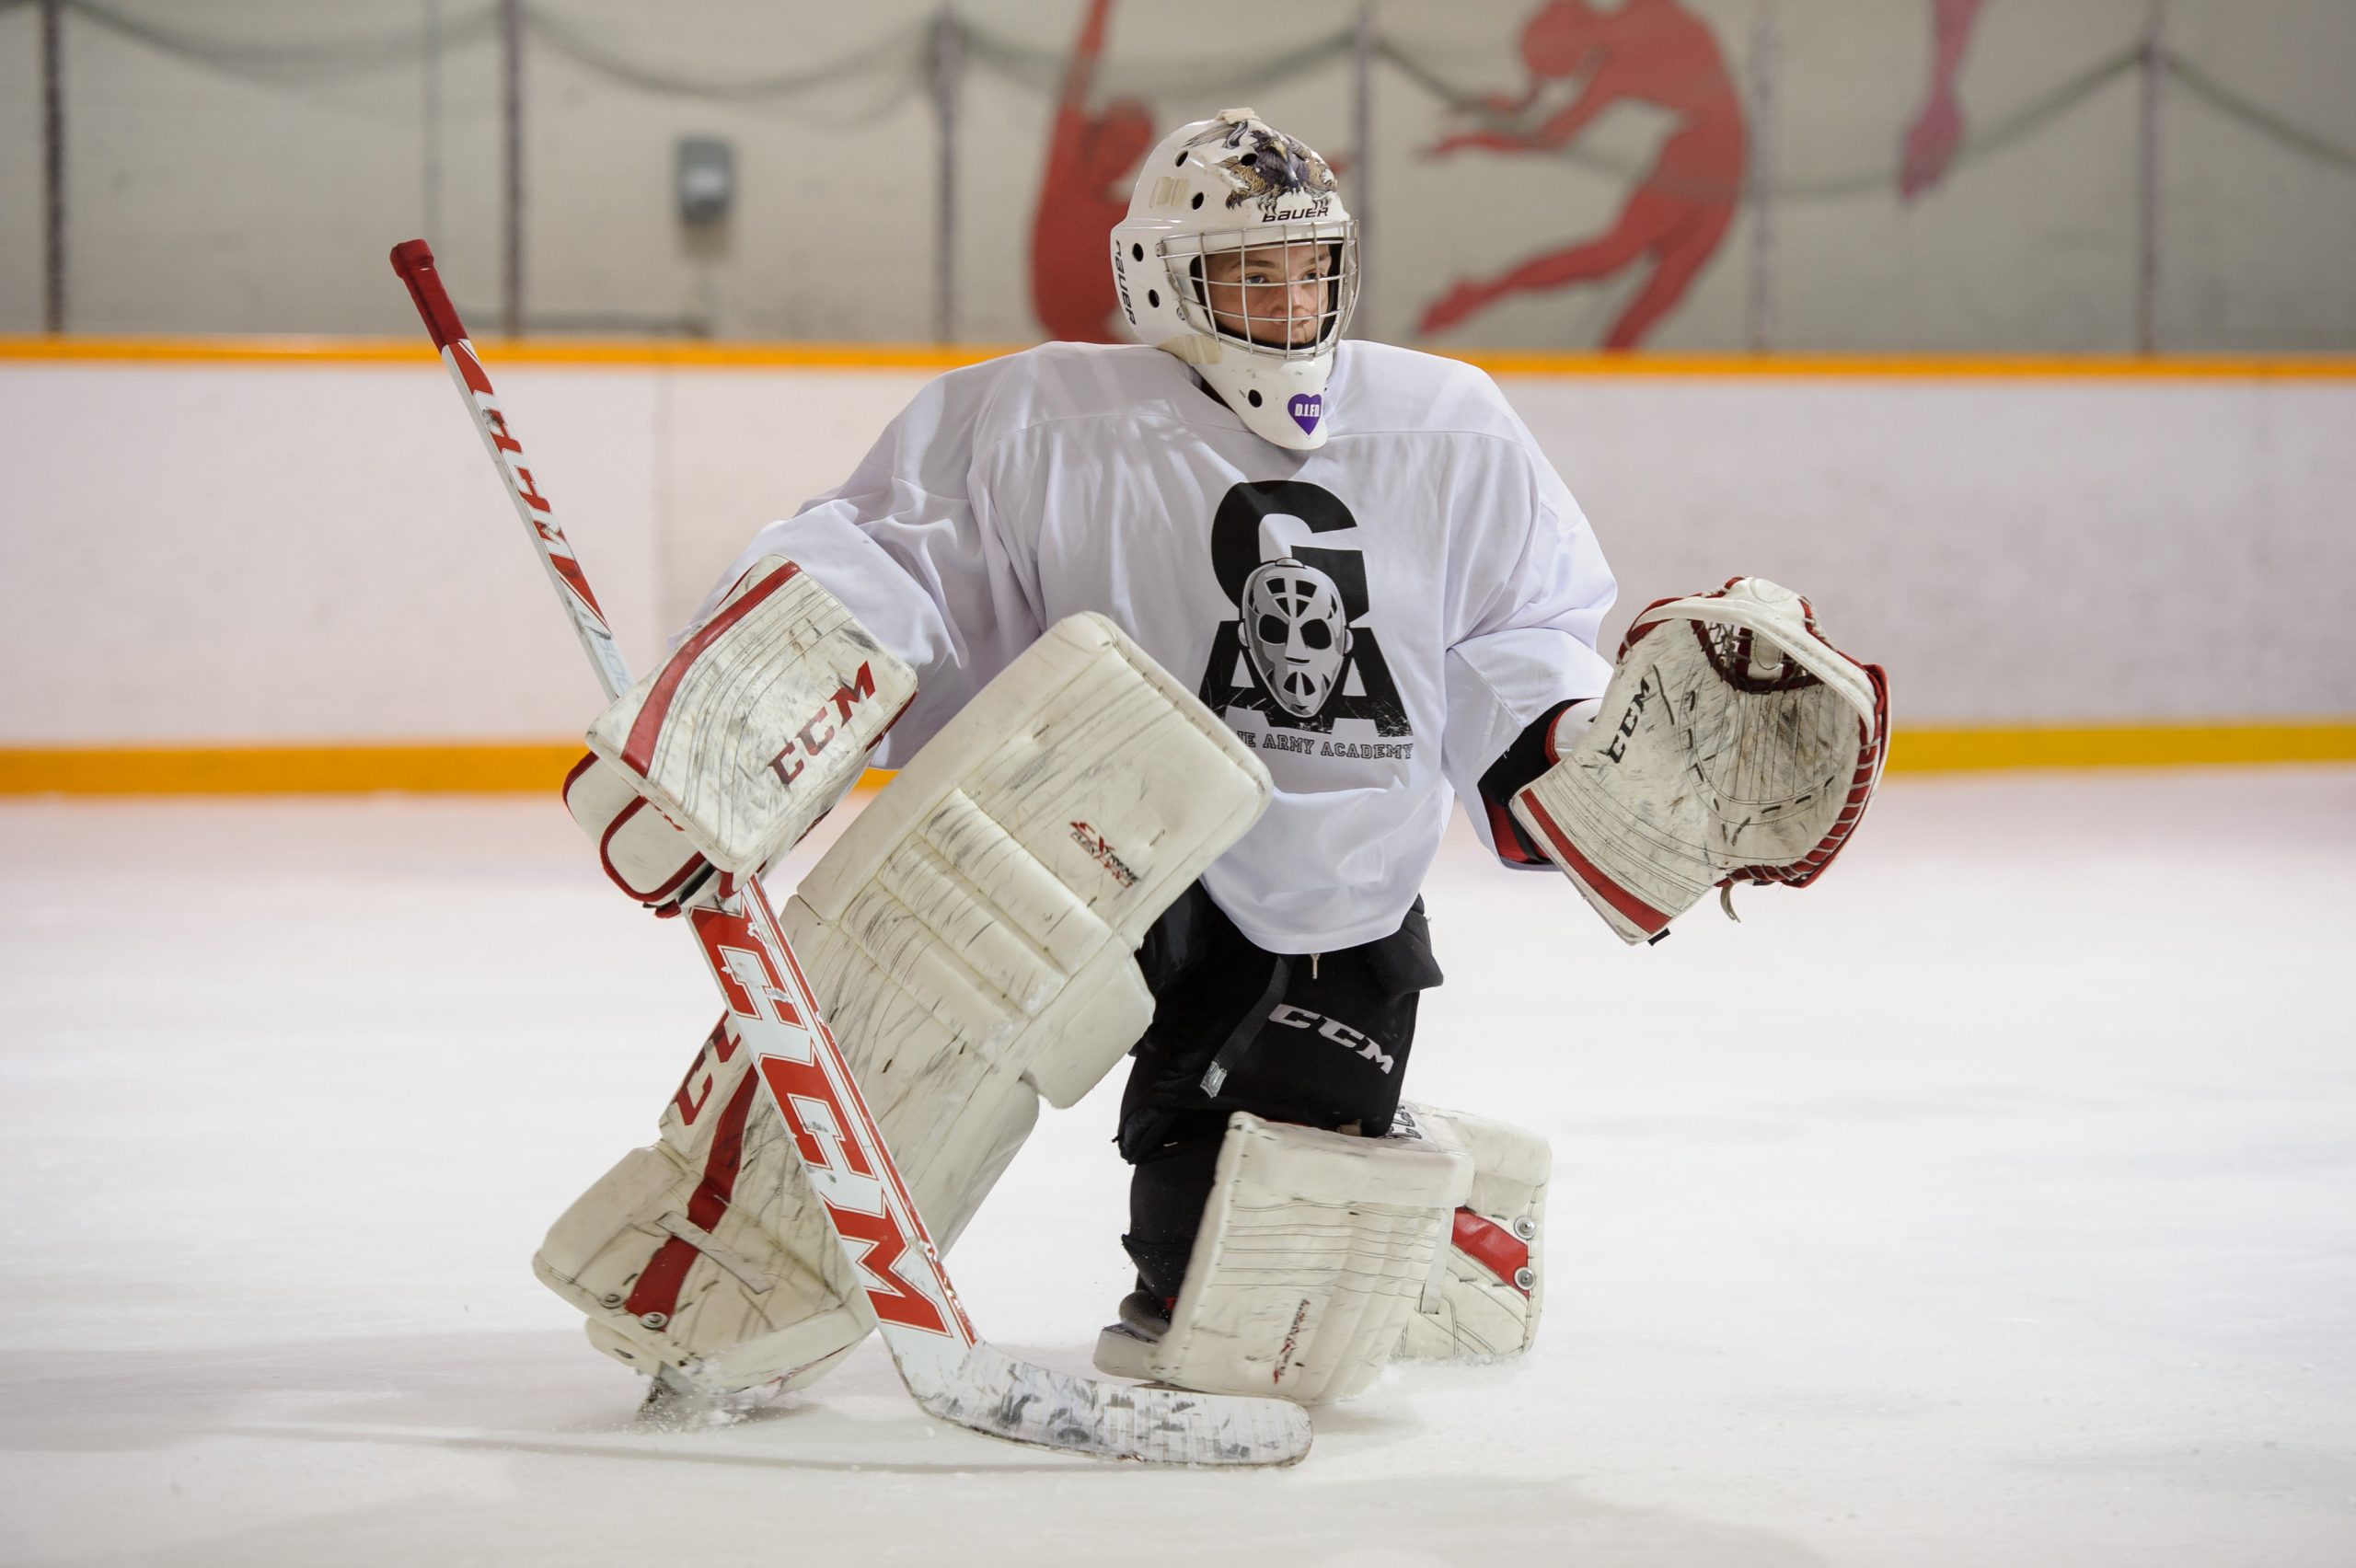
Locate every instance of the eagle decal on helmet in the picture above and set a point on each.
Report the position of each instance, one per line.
(1267, 165)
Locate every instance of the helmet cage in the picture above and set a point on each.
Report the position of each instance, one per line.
(1266, 306)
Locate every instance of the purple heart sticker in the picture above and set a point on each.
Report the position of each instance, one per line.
(1307, 409)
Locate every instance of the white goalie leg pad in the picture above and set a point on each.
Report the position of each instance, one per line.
(751, 731)
(1489, 1299)
(972, 934)
(674, 1253)
(1316, 1249)
(971, 937)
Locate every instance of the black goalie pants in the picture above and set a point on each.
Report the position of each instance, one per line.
(1320, 1041)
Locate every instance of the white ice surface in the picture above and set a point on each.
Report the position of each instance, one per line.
(1989, 1203)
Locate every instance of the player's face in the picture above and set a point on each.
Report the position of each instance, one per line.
(1270, 293)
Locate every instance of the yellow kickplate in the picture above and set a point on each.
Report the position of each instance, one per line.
(2121, 746)
(452, 768)
(476, 767)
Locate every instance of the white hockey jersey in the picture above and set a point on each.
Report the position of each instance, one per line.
(1379, 617)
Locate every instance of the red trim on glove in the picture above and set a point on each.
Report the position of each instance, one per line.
(1639, 914)
(1506, 834)
(694, 863)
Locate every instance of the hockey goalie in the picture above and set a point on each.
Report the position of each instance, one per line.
(1181, 651)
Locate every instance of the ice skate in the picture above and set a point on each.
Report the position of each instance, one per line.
(1126, 1343)
(673, 1404)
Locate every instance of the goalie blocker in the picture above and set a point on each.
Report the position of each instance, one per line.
(971, 939)
(1733, 745)
(749, 733)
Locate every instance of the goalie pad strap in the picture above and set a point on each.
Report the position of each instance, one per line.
(1492, 1289)
(1496, 1249)
(657, 1289)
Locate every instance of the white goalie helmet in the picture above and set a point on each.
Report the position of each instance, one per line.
(1298, 634)
(1238, 256)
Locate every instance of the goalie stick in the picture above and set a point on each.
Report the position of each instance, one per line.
(950, 1370)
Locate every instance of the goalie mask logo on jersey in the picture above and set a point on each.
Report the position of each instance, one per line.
(1296, 634)
(1302, 651)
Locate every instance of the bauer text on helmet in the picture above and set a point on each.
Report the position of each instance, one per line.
(1238, 256)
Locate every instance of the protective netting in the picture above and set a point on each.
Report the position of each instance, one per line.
(902, 55)
(2188, 144)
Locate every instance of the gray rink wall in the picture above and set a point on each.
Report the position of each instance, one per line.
(242, 167)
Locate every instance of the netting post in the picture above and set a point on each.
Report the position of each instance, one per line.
(52, 166)
(431, 112)
(1759, 299)
(2147, 184)
(1362, 133)
(511, 79)
(948, 61)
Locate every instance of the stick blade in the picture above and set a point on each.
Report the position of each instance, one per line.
(992, 1392)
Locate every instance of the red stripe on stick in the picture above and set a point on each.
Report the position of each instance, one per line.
(471, 371)
(963, 1329)
(638, 751)
(574, 578)
(1639, 914)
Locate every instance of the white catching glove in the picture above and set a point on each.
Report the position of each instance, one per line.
(1733, 745)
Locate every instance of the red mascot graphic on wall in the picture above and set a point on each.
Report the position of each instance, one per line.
(1651, 51)
(1091, 162)
(1931, 140)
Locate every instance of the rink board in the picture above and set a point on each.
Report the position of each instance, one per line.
(220, 551)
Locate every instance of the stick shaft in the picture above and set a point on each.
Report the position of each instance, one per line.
(414, 261)
(761, 980)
